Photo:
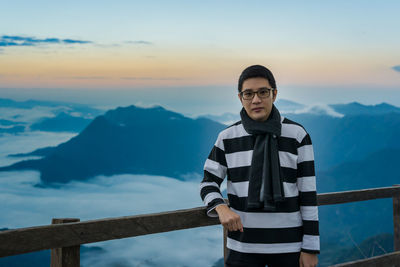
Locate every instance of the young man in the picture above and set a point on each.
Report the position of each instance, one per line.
(272, 218)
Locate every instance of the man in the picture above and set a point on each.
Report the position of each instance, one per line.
(272, 218)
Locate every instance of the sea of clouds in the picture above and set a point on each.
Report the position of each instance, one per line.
(26, 142)
(27, 115)
(24, 205)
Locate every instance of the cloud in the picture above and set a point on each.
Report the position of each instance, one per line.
(70, 41)
(137, 78)
(140, 42)
(114, 196)
(147, 105)
(396, 68)
(152, 78)
(26, 115)
(88, 77)
(7, 40)
(83, 77)
(107, 45)
(27, 142)
(319, 109)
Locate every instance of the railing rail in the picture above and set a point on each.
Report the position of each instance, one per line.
(24, 240)
(388, 260)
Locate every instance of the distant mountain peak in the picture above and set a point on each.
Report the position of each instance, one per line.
(358, 104)
(356, 108)
(144, 115)
(355, 103)
(385, 105)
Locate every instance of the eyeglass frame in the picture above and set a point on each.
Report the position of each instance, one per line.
(257, 92)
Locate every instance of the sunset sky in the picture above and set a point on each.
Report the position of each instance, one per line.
(189, 54)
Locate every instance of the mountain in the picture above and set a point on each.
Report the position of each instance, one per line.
(41, 152)
(21, 116)
(131, 140)
(340, 110)
(332, 253)
(290, 108)
(336, 110)
(365, 218)
(29, 104)
(8, 122)
(63, 122)
(339, 140)
(12, 129)
(378, 169)
(355, 108)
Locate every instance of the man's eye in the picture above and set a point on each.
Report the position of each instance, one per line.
(263, 92)
(248, 94)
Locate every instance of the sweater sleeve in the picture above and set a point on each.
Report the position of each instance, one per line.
(215, 169)
(308, 196)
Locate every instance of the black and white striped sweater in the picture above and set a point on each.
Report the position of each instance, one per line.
(294, 226)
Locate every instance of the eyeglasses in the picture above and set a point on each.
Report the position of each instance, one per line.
(261, 93)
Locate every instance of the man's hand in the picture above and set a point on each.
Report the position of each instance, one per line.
(229, 219)
(308, 259)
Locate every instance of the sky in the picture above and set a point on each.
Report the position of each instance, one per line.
(188, 55)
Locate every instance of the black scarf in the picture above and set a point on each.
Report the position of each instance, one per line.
(265, 184)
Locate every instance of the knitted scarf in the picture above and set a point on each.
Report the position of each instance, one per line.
(265, 184)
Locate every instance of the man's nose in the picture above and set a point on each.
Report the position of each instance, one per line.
(256, 99)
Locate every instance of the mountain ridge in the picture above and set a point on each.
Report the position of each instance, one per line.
(130, 140)
(127, 139)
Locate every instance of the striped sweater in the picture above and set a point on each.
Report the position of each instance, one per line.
(294, 226)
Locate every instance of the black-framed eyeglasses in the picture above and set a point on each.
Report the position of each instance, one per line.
(261, 93)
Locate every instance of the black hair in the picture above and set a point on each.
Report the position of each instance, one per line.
(256, 71)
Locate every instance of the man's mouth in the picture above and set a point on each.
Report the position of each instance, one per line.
(256, 109)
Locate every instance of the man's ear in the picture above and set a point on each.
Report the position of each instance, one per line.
(240, 99)
(275, 92)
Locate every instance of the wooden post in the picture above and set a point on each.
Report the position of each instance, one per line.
(65, 256)
(396, 222)
(225, 248)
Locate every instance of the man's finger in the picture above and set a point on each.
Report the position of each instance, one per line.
(240, 225)
(231, 228)
(236, 226)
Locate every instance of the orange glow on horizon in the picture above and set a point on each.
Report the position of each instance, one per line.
(123, 68)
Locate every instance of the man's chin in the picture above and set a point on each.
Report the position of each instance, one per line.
(259, 117)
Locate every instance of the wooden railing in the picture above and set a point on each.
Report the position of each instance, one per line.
(64, 236)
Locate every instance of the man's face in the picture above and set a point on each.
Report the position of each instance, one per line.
(258, 108)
